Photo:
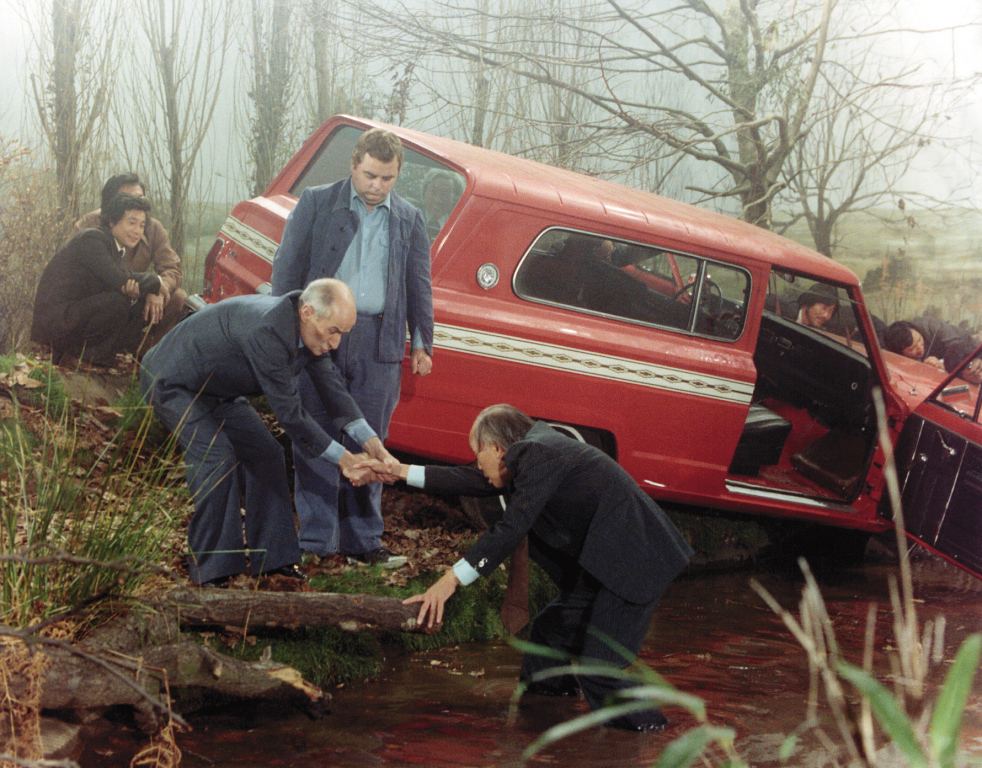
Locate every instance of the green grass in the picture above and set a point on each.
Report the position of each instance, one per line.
(78, 522)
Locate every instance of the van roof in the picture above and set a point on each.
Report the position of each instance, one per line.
(501, 176)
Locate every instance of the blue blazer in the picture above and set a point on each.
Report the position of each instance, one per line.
(580, 509)
(247, 346)
(317, 235)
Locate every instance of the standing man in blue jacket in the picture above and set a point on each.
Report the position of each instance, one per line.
(359, 231)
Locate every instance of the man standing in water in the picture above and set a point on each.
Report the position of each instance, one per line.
(611, 550)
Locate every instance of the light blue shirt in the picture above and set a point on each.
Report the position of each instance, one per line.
(464, 571)
(365, 266)
(360, 432)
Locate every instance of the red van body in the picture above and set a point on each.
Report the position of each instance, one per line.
(666, 334)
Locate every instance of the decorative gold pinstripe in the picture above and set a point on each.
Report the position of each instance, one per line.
(566, 359)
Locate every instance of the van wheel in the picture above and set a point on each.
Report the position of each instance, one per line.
(485, 511)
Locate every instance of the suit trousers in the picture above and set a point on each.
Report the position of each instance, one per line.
(564, 625)
(334, 515)
(232, 461)
(102, 325)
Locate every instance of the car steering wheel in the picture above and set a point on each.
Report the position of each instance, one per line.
(712, 287)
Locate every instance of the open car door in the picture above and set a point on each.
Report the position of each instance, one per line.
(939, 467)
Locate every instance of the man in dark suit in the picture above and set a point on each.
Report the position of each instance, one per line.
(89, 303)
(611, 550)
(198, 378)
(151, 253)
(363, 233)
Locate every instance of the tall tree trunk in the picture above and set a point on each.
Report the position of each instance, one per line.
(271, 90)
(64, 25)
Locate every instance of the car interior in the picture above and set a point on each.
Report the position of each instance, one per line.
(635, 282)
(811, 427)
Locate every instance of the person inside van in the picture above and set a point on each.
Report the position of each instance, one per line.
(818, 305)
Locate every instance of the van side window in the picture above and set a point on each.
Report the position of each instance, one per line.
(635, 282)
(429, 185)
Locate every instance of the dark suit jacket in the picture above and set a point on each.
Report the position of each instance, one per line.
(87, 265)
(247, 346)
(317, 235)
(941, 339)
(153, 251)
(579, 509)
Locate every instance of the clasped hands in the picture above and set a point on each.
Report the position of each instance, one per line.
(376, 464)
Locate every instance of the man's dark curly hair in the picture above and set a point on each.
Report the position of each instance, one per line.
(898, 337)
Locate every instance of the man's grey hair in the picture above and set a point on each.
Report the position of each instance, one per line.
(322, 295)
(502, 424)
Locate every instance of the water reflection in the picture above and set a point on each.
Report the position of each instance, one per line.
(712, 636)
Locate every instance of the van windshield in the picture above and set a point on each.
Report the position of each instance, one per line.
(431, 186)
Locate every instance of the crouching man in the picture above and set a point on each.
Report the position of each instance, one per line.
(611, 550)
(198, 378)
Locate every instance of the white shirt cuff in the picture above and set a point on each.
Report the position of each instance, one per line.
(465, 572)
(416, 476)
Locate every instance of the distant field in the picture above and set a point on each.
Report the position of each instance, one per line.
(946, 249)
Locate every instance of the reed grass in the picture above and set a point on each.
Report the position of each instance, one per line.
(77, 522)
(924, 731)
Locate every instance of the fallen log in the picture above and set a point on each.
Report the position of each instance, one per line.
(243, 608)
(135, 661)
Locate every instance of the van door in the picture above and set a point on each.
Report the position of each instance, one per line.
(939, 467)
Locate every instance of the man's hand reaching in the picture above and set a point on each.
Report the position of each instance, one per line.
(433, 600)
(377, 451)
(357, 467)
(382, 471)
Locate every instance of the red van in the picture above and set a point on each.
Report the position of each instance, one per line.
(668, 335)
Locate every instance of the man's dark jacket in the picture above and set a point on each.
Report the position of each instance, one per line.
(941, 339)
(579, 509)
(248, 346)
(87, 265)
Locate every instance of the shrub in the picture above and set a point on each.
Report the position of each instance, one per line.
(32, 227)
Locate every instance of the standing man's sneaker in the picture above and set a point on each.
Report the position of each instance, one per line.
(380, 556)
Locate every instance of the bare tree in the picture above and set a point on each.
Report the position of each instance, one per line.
(729, 63)
(74, 74)
(338, 58)
(480, 100)
(272, 88)
(163, 122)
(863, 132)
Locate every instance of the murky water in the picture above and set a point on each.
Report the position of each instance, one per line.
(712, 636)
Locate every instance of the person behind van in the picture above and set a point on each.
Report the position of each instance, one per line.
(363, 233)
(818, 305)
(935, 343)
(440, 195)
(153, 252)
(88, 305)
